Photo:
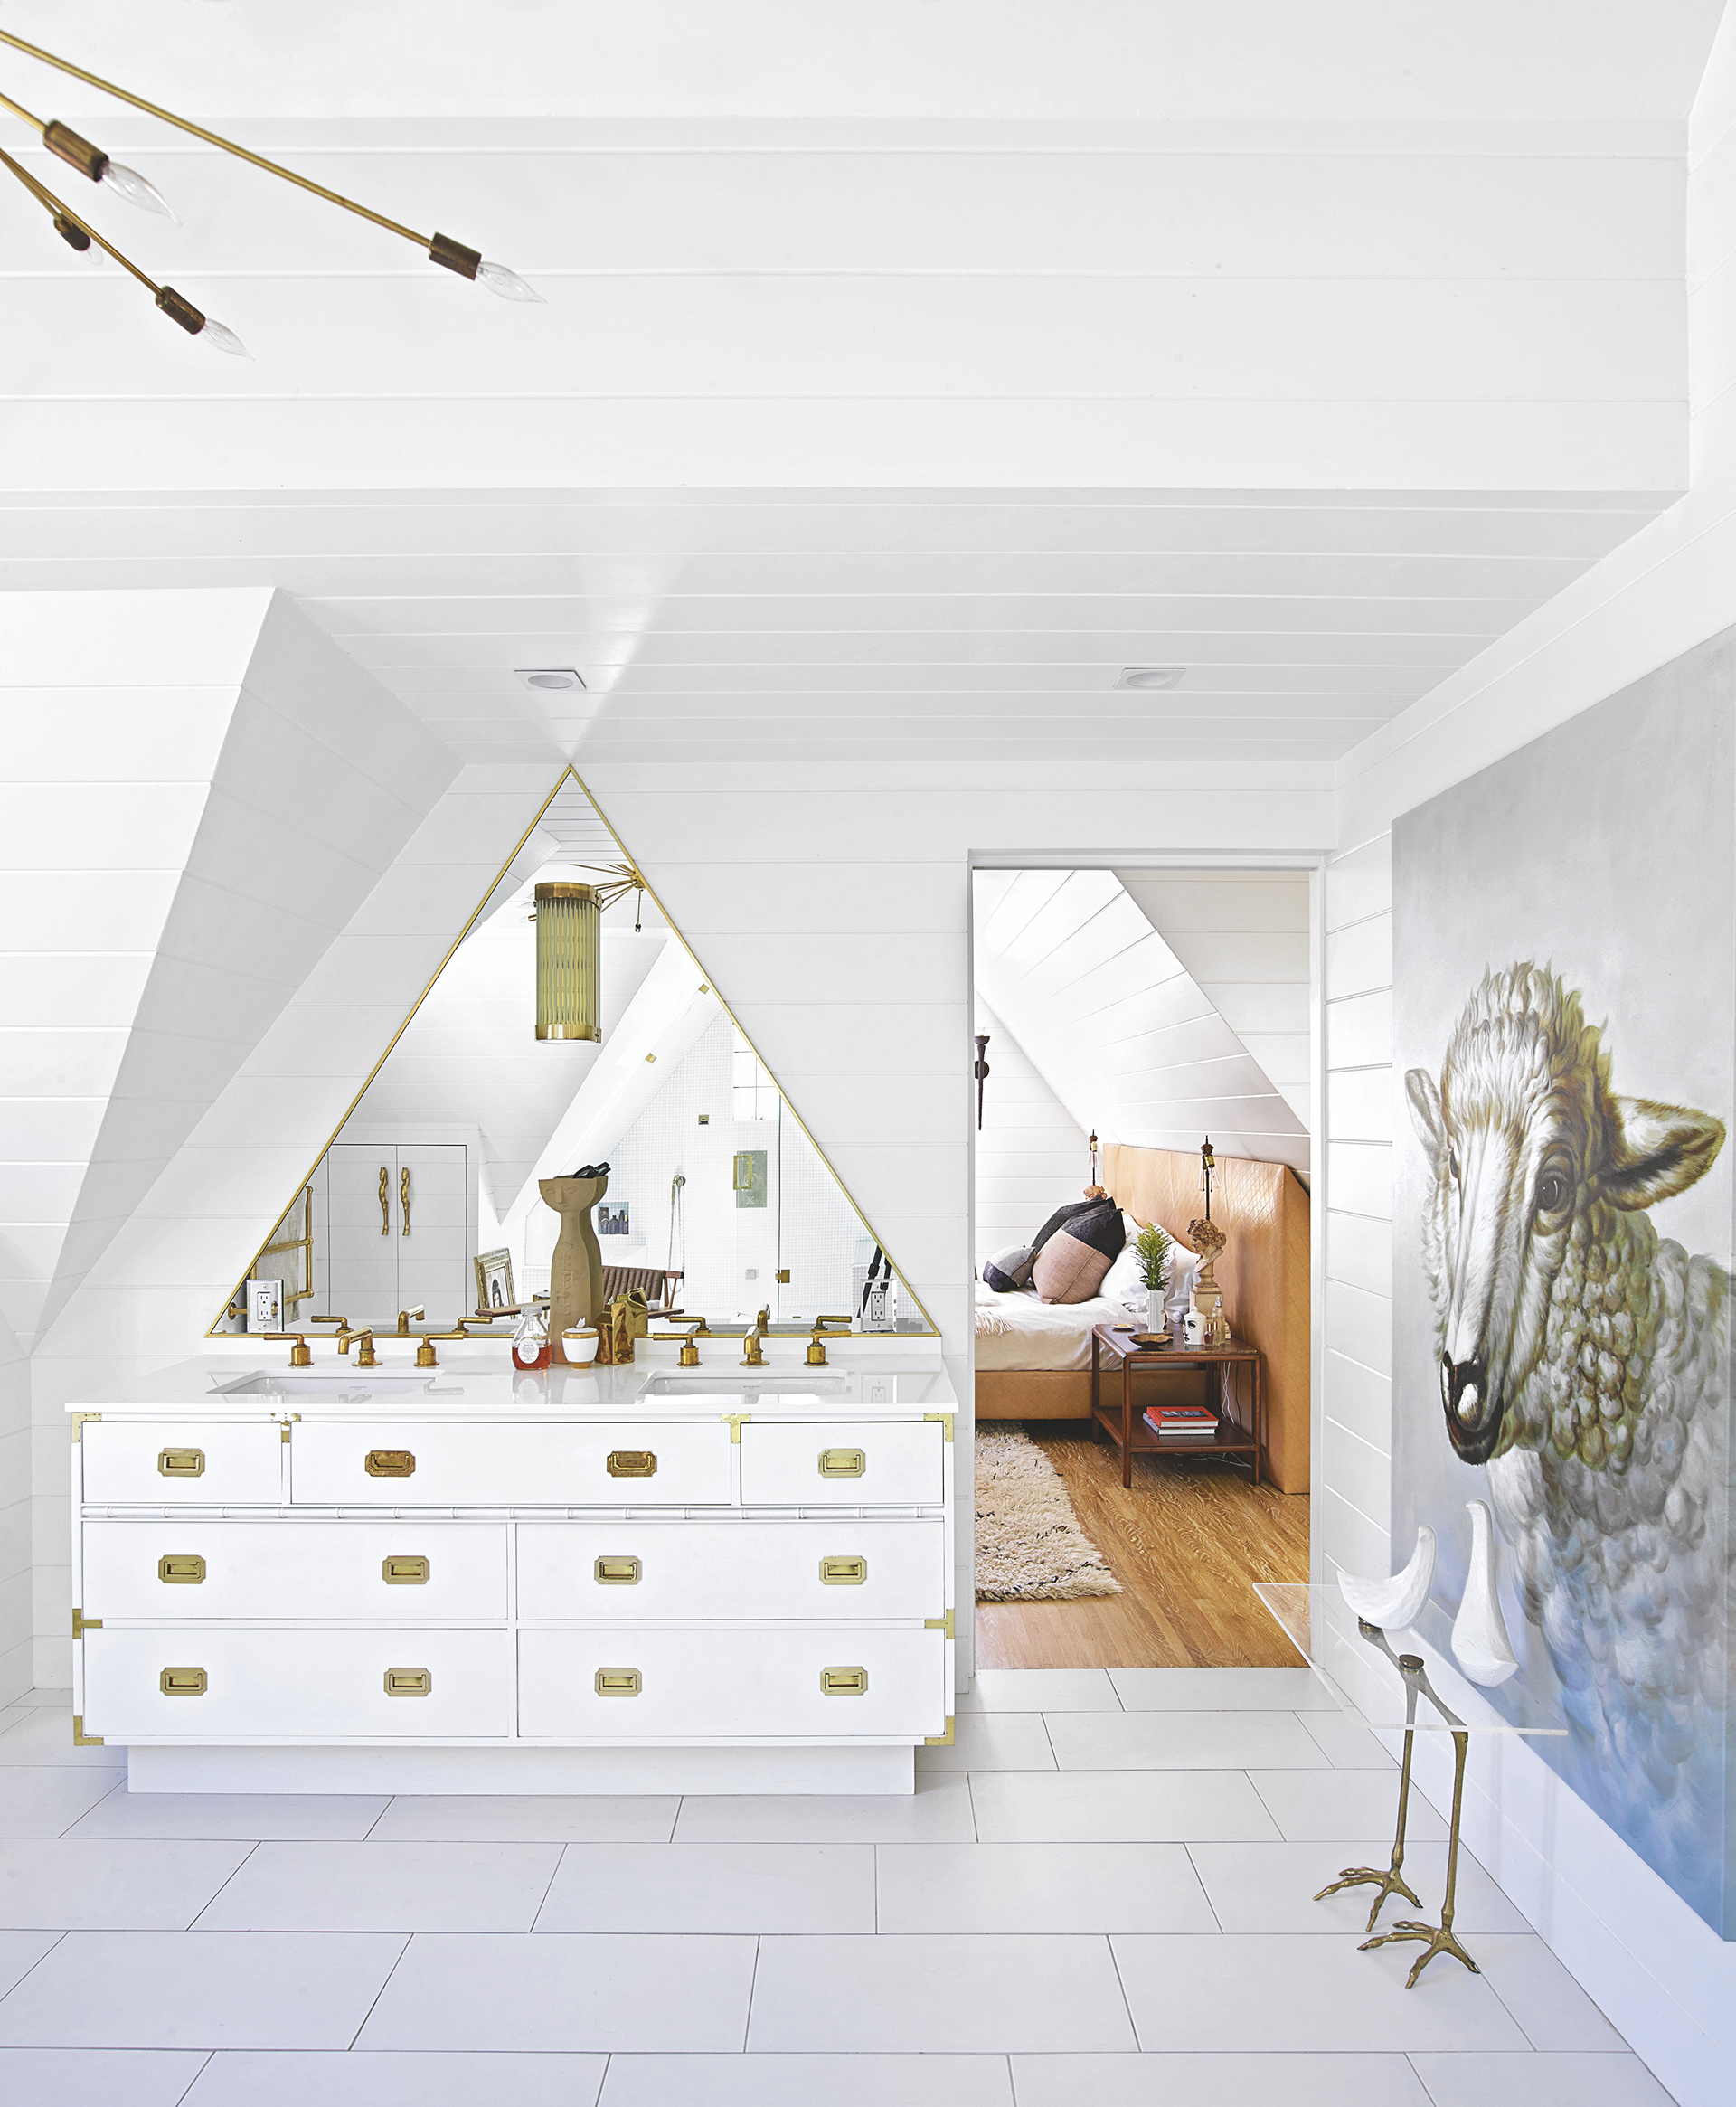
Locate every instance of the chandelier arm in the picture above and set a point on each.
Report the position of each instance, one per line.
(215, 139)
(50, 203)
(18, 110)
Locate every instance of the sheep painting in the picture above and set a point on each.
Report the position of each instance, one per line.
(1584, 1360)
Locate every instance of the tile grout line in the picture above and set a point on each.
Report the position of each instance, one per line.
(1050, 1740)
(1011, 2084)
(874, 1848)
(753, 1981)
(118, 1786)
(197, 2075)
(1411, 2058)
(1204, 1890)
(555, 1875)
(381, 1992)
(222, 1883)
(675, 1819)
(35, 1964)
(608, 2064)
(391, 1800)
(1114, 1962)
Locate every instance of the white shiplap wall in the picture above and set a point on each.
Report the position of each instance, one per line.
(1352, 1497)
(16, 1662)
(1031, 1154)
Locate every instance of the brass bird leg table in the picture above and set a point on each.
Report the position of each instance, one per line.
(1393, 1881)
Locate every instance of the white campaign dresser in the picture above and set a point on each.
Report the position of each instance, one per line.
(470, 1580)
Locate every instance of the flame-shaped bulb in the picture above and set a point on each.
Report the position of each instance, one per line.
(222, 339)
(136, 190)
(507, 283)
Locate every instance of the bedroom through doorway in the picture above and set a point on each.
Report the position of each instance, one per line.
(1145, 1033)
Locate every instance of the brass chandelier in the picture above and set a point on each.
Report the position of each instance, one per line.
(96, 167)
(569, 948)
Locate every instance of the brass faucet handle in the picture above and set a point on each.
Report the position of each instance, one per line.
(425, 1354)
(367, 1357)
(404, 1316)
(342, 1323)
(753, 1358)
(300, 1357)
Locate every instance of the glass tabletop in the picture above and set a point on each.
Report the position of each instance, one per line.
(1364, 1681)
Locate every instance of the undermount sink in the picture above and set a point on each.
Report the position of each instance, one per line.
(742, 1386)
(347, 1381)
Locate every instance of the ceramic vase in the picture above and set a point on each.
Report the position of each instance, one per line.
(1480, 1643)
(1154, 1310)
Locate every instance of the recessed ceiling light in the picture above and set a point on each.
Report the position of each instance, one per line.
(1151, 677)
(549, 679)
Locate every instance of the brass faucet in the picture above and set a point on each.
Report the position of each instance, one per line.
(425, 1358)
(404, 1316)
(300, 1357)
(816, 1345)
(688, 1357)
(367, 1357)
(342, 1323)
(753, 1358)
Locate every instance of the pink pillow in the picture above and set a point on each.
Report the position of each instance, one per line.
(1068, 1270)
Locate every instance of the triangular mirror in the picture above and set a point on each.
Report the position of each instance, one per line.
(719, 1203)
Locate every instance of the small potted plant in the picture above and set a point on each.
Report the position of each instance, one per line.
(1154, 1249)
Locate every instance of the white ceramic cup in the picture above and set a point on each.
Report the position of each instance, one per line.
(580, 1348)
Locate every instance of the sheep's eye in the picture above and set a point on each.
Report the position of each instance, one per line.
(1551, 1193)
(1452, 1164)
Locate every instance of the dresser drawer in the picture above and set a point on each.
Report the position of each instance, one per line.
(691, 1570)
(820, 1462)
(366, 1572)
(655, 1683)
(239, 1684)
(189, 1463)
(401, 1463)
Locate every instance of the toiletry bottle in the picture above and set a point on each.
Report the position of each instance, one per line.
(530, 1340)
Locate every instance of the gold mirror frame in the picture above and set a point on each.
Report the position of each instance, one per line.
(571, 775)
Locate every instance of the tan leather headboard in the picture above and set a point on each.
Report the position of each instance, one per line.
(1263, 1209)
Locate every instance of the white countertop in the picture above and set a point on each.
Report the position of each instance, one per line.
(862, 1378)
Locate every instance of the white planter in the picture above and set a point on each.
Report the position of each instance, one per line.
(1154, 1310)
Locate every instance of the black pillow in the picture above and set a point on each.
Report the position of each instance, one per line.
(1009, 1270)
(1062, 1214)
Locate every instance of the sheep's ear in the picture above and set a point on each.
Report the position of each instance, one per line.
(1425, 1114)
(1659, 1151)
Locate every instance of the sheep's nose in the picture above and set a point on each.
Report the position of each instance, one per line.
(1462, 1387)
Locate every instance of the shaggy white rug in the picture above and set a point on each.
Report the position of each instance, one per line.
(1030, 1548)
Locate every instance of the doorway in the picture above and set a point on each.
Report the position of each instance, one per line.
(1146, 1031)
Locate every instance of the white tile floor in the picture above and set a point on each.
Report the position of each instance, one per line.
(1101, 1892)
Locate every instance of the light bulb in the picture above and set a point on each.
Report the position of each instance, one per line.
(507, 283)
(222, 339)
(129, 183)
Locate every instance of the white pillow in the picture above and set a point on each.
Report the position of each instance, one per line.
(1122, 1282)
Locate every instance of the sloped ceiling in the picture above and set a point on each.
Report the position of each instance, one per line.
(1120, 1030)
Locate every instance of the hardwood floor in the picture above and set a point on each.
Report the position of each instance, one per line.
(1186, 1541)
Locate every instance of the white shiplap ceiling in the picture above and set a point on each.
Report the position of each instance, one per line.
(906, 371)
(726, 627)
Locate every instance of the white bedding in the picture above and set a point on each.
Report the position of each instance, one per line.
(1020, 1331)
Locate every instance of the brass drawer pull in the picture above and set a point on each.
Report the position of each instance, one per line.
(181, 1573)
(843, 1572)
(409, 1682)
(181, 1462)
(618, 1572)
(617, 1683)
(844, 1682)
(404, 1573)
(182, 1682)
(843, 1462)
(632, 1463)
(390, 1463)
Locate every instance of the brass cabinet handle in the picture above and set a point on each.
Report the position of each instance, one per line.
(843, 1572)
(182, 1682)
(618, 1572)
(184, 1573)
(844, 1682)
(403, 1194)
(843, 1462)
(404, 1573)
(385, 1201)
(181, 1462)
(617, 1683)
(632, 1463)
(390, 1463)
(409, 1682)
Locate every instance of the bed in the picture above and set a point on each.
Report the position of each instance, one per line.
(1033, 1359)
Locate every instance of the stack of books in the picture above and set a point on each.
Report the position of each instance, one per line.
(1183, 1426)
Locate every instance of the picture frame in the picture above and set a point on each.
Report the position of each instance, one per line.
(495, 1281)
(614, 1218)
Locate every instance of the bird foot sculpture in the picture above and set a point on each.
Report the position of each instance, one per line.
(1440, 1940)
(1390, 1883)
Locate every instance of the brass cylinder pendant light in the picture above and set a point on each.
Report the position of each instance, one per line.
(569, 962)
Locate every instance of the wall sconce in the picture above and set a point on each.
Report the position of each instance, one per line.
(568, 963)
(980, 1071)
